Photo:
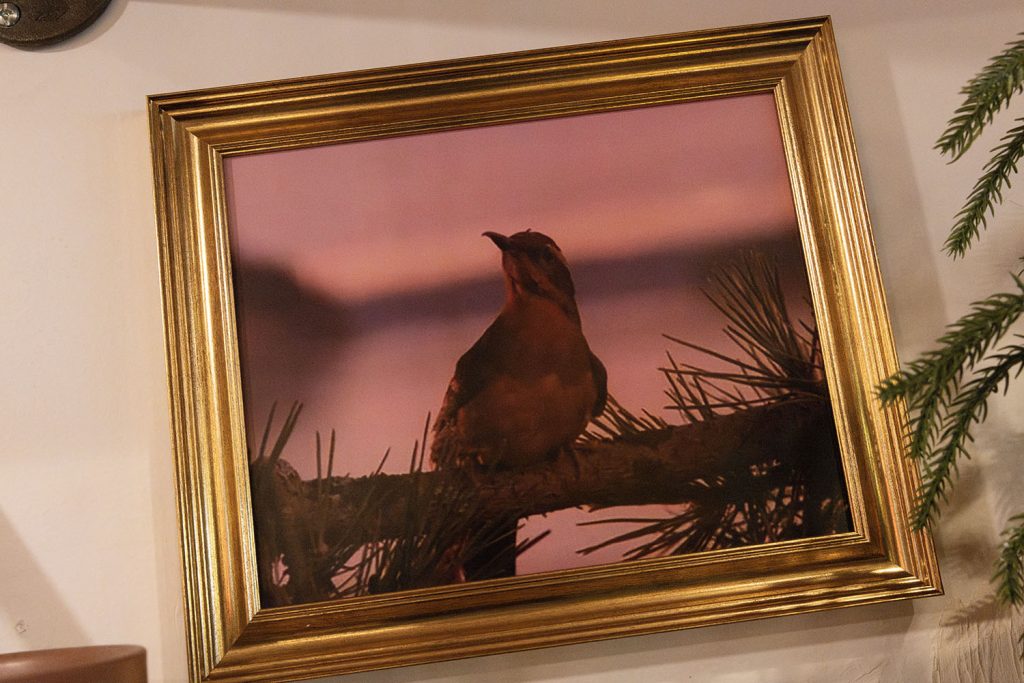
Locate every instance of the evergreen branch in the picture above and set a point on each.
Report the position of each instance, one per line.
(969, 408)
(926, 418)
(987, 192)
(749, 294)
(930, 382)
(277, 450)
(777, 362)
(617, 421)
(984, 96)
(714, 354)
(653, 468)
(963, 345)
(1009, 574)
(755, 473)
(783, 386)
(690, 398)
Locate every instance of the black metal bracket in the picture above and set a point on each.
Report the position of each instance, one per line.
(30, 23)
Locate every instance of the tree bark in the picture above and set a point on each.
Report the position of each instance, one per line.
(649, 468)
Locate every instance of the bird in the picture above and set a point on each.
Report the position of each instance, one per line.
(528, 387)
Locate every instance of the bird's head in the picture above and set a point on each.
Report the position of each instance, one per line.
(535, 266)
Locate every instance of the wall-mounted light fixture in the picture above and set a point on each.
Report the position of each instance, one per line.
(31, 23)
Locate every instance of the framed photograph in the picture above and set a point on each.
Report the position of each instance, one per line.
(526, 350)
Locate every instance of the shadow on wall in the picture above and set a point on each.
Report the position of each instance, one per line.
(598, 14)
(824, 646)
(36, 614)
(979, 641)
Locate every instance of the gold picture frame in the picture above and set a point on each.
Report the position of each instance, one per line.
(231, 638)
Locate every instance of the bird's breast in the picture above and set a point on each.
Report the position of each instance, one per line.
(536, 337)
(518, 421)
(540, 391)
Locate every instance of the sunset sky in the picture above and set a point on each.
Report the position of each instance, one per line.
(363, 219)
(642, 202)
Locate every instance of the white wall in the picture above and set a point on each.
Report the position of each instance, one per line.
(88, 538)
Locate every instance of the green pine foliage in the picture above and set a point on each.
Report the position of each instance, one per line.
(987, 192)
(937, 396)
(947, 389)
(984, 96)
(1009, 575)
(968, 408)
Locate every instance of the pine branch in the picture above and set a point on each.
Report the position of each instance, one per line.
(929, 383)
(969, 408)
(984, 96)
(766, 505)
(746, 470)
(1009, 574)
(778, 363)
(942, 409)
(337, 537)
(396, 531)
(749, 294)
(617, 421)
(987, 192)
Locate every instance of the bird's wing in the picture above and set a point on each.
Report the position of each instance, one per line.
(600, 382)
(471, 373)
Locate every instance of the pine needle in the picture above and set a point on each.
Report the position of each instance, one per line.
(984, 96)
(943, 406)
(968, 408)
(930, 383)
(617, 421)
(1009, 573)
(987, 192)
(776, 361)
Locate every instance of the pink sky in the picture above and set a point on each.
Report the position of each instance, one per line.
(369, 224)
(362, 219)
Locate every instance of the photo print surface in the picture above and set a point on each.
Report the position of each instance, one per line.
(528, 347)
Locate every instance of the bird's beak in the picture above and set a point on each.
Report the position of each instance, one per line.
(503, 242)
